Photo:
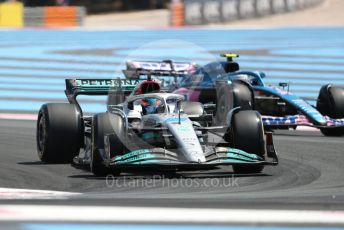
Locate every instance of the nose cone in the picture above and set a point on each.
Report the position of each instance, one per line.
(186, 139)
(308, 110)
(319, 119)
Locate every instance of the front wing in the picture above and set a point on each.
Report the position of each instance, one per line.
(159, 157)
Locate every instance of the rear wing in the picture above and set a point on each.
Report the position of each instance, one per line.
(99, 86)
(165, 68)
(75, 87)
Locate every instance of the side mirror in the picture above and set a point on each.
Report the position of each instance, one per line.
(283, 85)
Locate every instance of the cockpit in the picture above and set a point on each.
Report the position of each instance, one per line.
(155, 104)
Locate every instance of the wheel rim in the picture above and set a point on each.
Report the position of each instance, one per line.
(222, 107)
(41, 134)
(221, 111)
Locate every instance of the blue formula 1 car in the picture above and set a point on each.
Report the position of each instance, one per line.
(280, 109)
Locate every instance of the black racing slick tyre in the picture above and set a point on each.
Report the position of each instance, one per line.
(223, 105)
(59, 133)
(237, 94)
(247, 134)
(331, 103)
(104, 124)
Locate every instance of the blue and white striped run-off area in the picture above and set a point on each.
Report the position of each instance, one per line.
(34, 63)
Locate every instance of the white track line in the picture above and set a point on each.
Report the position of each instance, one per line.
(307, 128)
(14, 194)
(167, 215)
(17, 116)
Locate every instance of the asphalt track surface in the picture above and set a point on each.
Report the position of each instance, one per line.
(309, 176)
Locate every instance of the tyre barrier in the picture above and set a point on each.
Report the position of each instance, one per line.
(62, 16)
(15, 15)
(202, 12)
(177, 16)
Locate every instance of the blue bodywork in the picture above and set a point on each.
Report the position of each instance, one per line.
(256, 80)
(307, 114)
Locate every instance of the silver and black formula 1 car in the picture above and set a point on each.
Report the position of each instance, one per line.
(149, 129)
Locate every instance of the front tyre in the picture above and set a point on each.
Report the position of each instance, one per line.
(106, 123)
(247, 134)
(331, 103)
(229, 96)
(59, 133)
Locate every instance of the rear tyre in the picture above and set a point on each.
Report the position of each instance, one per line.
(332, 132)
(104, 124)
(59, 133)
(247, 134)
(331, 103)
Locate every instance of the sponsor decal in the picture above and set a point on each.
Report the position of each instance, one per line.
(106, 82)
(288, 120)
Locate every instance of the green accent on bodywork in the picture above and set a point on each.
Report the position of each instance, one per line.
(237, 156)
(132, 154)
(240, 154)
(143, 159)
(146, 156)
(142, 156)
(150, 135)
(133, 159)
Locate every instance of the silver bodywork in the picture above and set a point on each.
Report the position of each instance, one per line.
(175, 121)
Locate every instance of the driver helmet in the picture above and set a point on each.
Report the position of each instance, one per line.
(150, 105)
